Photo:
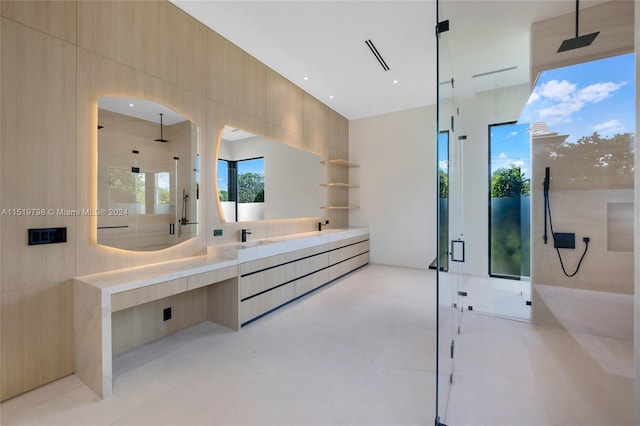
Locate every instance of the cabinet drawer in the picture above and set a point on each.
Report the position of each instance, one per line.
(352, 240)
(258, 305)
(130, 298)
(311, 264)
(267, 262)
(312, 250)
(343, 253)
(311, 282)
(261, 281)
(347, 266)
(211, 277)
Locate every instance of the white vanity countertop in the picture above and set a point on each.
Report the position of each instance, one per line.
(141, 276)
(217, 257)
(258, 249)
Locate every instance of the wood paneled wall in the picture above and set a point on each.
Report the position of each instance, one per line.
(614, 21)
(57, 58)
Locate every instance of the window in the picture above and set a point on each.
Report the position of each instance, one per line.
(509, 200)
(241, 189)
(127, 190)
(162, 193)
(443, 199)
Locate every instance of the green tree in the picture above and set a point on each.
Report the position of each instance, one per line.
(164, 196)
(596, 162)
(509, 183)
(443, 180)
(250, 186)
(224, 195)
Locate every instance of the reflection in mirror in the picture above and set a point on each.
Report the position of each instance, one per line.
(148, 175)
(259, 179)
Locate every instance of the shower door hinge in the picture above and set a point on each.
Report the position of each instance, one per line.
(438, 422)
(528, 302)
(453, 346)
(442, 27)
(462, 293)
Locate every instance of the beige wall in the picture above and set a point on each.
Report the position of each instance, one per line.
(57, 58)
(396, 185)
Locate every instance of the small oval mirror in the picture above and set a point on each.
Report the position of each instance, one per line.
(148, 175)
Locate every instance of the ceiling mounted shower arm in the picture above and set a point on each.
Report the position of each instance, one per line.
(578, 41)
(577, 18)
(162, 139)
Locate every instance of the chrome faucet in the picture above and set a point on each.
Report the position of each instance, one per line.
(326, 222)
(245, 232)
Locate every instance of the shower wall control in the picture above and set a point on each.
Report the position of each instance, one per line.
(47, 236)
(564, 240)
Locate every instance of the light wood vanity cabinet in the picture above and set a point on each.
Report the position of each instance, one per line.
(207, 278)
(269, 283)
(139, 296)
(349, 255)
(119, 310)
(259, 281)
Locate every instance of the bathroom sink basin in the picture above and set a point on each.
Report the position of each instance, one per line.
(246, 249)
(253, 243)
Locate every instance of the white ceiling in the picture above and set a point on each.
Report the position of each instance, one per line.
(325, 41)
(142, 109)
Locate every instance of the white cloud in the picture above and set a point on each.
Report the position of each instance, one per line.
(512, 134)
(502, 155)
(609, 127)
(557, 90)
(517, 163)
(566, 100)
(598, 92)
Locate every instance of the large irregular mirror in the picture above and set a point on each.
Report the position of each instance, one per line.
(148, 175)
(259, 179)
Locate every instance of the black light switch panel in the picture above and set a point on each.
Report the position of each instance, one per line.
(47, 236)
(166, 314)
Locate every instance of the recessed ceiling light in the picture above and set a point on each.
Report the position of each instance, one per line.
(395, 81)
(130, 105)
(331, 97)
(305, 78)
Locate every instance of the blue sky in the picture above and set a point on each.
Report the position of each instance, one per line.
(581, 99)
(244, 166)
(576, 101)
(510, 146)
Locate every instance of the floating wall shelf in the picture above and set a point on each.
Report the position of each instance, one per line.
(339, 185)
(340, 162)
(340, 207)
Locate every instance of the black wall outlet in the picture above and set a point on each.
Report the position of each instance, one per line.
(564, 240)
(166, 314)
(217, 232)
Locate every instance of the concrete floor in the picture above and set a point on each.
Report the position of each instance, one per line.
(360, 351)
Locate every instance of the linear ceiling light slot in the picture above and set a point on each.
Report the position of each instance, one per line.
(375, 52)
(493, 72)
